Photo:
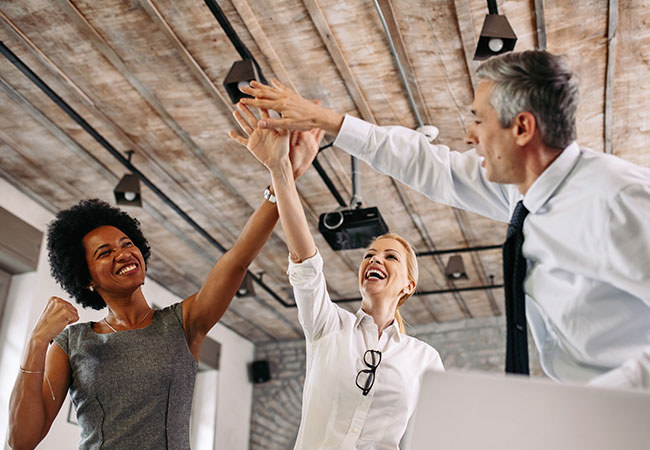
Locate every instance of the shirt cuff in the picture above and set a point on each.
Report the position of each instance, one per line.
(353, 136)
(302, 274)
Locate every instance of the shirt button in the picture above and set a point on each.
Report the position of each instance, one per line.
(354, 430)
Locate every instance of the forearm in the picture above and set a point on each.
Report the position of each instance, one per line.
(232, 266)
(328, 120)
(292, 216)
(26, 405)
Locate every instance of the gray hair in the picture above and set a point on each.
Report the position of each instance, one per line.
(537, 82)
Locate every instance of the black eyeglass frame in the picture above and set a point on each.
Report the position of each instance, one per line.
(365, 389)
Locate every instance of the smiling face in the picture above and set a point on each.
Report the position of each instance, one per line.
(384, 270)
(115, 264)
(495, 143)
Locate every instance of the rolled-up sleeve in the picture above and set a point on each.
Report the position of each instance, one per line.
(316, 312)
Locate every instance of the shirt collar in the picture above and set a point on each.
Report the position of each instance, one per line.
(392, 329)
(548, 182)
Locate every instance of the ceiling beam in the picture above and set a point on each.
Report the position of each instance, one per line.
(401, 54)
(466, 30)
(263, 42)
(191, 63)
(350, 81)
(540, 24)
(612, 28)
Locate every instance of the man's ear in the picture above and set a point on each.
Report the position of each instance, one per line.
(523, 128)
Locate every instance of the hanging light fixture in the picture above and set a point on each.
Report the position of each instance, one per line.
(497, 36)
(240, 75)
(246, 288)
(127, 191)
(455, 268)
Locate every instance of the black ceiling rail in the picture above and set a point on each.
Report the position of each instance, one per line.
(328, 182)
(459, 250)
(20, 65)
(432, 292)
(243, 51)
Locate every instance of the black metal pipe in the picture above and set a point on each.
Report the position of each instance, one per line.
(328, 182)
(433, 292)
(243, 51)
(492, 7)
(459, 250)
(20, 65)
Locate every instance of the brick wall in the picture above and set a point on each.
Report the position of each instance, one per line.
(473, 344)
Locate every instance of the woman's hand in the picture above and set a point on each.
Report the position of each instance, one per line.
(270, 147)
(57, 315)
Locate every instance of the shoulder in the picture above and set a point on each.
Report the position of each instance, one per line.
(420, 347)
(614, 174)
(71, 336)
(172, 312)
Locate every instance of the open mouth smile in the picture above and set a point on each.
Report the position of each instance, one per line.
(129, 268)
(375, 274)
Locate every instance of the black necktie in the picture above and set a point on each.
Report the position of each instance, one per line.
(514, 272)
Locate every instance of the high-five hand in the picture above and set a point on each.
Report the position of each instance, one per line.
(269, 146)
(297, 112)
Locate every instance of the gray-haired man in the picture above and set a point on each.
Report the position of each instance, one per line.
(587, 228)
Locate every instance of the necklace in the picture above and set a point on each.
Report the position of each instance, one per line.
(134, 326)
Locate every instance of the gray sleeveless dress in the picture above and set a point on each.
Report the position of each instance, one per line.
(132, 389)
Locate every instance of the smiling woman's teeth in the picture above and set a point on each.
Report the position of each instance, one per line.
(128, 268)
(375, 274)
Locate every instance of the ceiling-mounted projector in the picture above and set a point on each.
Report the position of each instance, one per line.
(351, 228)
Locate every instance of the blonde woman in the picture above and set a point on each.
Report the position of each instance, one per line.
(363, 372)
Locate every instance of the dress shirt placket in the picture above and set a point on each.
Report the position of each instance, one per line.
(358, 421)
(370, 331)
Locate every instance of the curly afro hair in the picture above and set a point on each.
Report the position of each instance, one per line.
(67, 254)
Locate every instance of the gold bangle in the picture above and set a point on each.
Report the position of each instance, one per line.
(46, 378)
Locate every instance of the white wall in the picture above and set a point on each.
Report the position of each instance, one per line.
(25, 301)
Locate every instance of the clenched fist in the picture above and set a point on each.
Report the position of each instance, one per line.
(57, 315)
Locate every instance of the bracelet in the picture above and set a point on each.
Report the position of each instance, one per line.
(269, 196)
(46, 378)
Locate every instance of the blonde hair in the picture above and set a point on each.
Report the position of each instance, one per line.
(412, 272)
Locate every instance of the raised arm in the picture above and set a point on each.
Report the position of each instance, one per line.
(271, 148)
(203, 310)
(297, 112)
(43, 380)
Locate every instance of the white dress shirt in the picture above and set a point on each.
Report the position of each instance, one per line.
(587, 242)
(335, 414)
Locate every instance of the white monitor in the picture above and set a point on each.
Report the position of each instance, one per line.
(460, 410)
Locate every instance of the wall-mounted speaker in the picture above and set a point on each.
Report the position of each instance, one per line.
(260, 371)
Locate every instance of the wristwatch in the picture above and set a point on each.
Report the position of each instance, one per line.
(269, 196)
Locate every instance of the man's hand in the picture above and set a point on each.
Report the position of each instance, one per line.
(297, 112)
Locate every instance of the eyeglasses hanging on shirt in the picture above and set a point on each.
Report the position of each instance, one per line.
(366, 377)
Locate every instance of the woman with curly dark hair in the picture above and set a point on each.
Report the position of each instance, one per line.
(130, 375)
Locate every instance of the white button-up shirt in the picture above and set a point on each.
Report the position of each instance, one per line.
(587, 242)
(335, 414)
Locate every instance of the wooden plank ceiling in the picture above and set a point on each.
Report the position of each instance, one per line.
(147, 74)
